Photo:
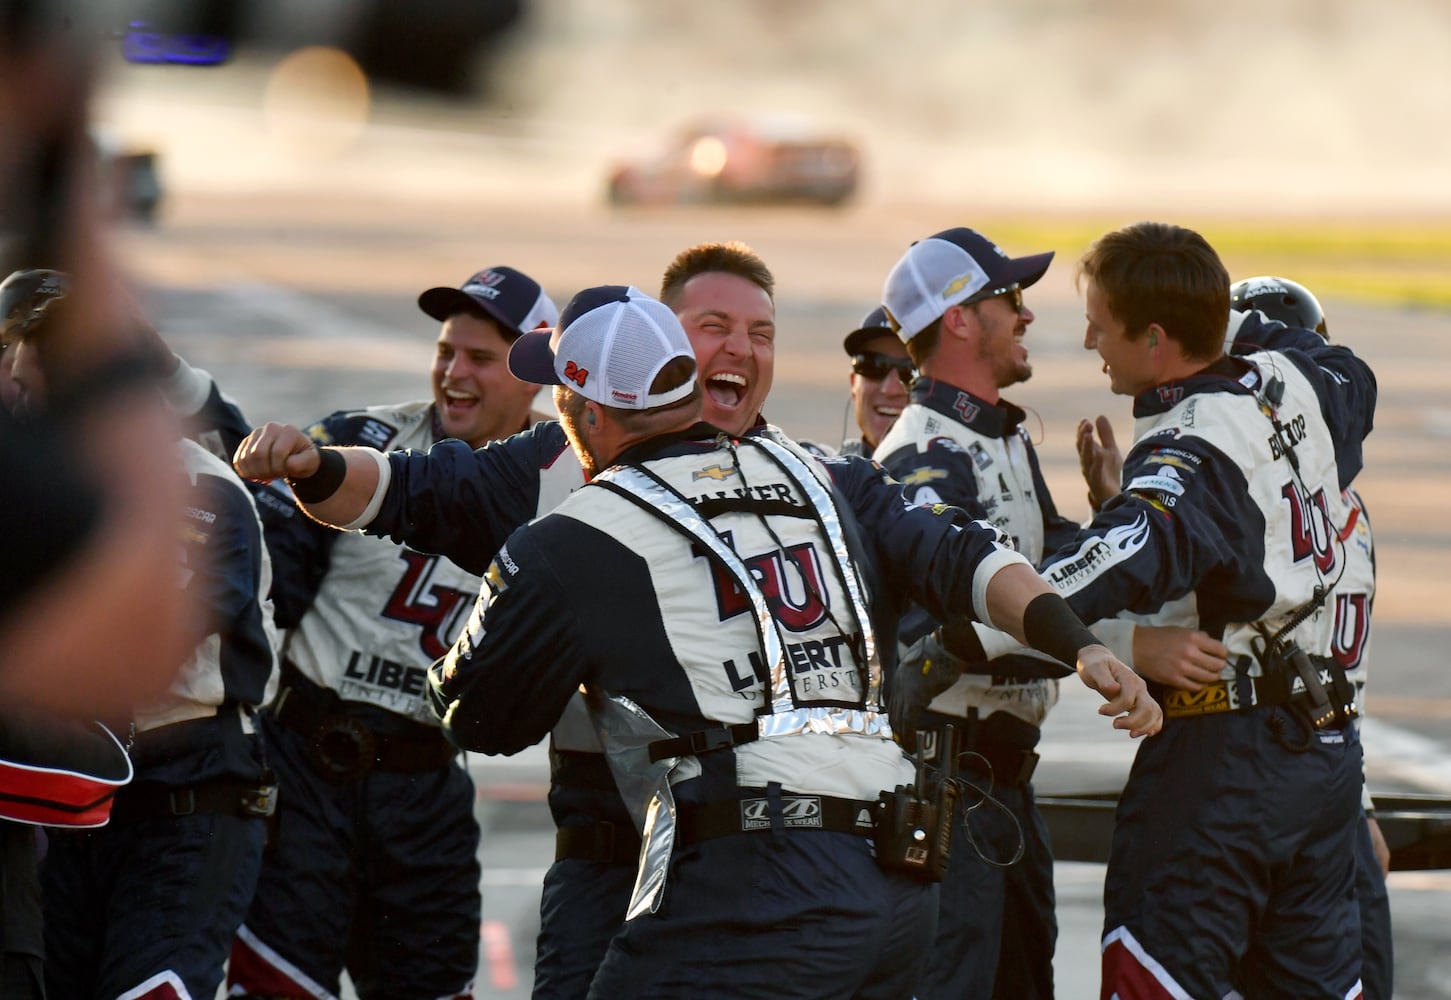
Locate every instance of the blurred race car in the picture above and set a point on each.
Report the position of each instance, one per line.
(735, 160)
(130, 182)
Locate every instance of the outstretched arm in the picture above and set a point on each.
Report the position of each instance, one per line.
(1023, 604)
(336, 486)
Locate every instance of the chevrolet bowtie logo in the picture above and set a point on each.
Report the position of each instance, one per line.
(957, 285)
(918, 477)
(714, 472)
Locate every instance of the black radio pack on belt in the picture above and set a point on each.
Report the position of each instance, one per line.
(914, 823)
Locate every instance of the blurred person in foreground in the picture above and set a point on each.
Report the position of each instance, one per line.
(91, 480)
(374, 866)
(956, 301)
(150, 902)
(1192, 661)
(745, 753)
(1229, 517)
(94, 524)
(881, 373)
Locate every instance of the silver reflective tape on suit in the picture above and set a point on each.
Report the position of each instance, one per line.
(786, 717)
(626, 730)
(669, 505)
(831, 524)
(575, 730)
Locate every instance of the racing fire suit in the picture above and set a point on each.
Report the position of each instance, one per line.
(463, 503)
(374, 867)
(996, 927)
(1232, 864)
(771, 881)
(1353, 599)
(147, 906)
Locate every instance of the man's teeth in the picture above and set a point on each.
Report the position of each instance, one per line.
(890, 411)
(726, 388)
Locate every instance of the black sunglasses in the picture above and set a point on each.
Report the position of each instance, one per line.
(875, 366)
(1012, 293)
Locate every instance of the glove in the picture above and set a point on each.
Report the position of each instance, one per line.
(925, 671)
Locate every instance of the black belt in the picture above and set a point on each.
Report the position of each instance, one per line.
(341, 745)
(1007, 766)
(704, 740)
(606, 843)
(219, 797)
(708, 820)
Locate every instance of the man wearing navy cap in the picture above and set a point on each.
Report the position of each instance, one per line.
(373, 866)
(881, 373)
(956, 302)
(731, 665)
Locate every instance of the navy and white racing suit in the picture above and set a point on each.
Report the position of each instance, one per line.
(764, 895)
(147, 906)
(1232, 865)
(464, 503)
(996, 927)
(374, 864)
(1353, 598)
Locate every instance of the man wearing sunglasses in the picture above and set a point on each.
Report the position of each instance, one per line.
(956, 302)
(881, 373)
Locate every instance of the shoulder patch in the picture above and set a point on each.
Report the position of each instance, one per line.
(375, 433)
(505, 563)
(945, 443)
(927, 497)
(923, 475)
(1156, 484)
(1177, 457)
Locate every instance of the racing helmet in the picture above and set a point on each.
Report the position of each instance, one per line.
(1280, 299)
(25, 297)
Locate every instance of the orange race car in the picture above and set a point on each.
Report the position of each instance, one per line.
(735, 160)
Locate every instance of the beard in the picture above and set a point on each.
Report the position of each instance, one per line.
(571, 407)
(1015, 372)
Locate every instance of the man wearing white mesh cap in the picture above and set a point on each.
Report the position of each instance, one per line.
(732, 671)
(956, 302)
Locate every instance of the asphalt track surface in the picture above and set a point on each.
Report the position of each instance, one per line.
(302, 305)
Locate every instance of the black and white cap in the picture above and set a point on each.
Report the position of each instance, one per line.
(511, 297)
(953, 266)
(611, 342)
(874, 324)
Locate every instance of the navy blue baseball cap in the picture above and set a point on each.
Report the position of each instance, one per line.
(955, 265)
(874, 324)
(515, 300)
